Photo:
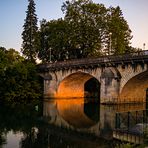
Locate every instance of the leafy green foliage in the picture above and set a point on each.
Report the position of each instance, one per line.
(18, 78)
(120, 32)
(54, 37)
(29, 35)
(87, 30)
(3, 61)
(88, 22)
(21, 78)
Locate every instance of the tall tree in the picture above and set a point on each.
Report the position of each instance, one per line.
(119, 33)
(54, 40)
(87, 21)
(29, 34)
(97, 28)
(87, 30)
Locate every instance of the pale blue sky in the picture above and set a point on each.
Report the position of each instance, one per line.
(13, 13)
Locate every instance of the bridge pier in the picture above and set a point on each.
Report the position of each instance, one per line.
(110, 85)
(50, 85)
(49, 89)
(110, 92)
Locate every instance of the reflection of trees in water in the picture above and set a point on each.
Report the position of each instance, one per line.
(35, 138)
(2, 139)
(39, 134)
(56, 137)
(17, 118)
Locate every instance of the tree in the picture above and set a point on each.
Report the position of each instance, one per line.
(78, 35)
(120, 32)
(29, 34)
(54, 40)
(3, 62)
(97, 28)
(23, 83)
(87, 21)
(87, 30)
(19, 80)
(13, 56)
(2, 49)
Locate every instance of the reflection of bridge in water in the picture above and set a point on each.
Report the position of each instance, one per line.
(84, 116)
(74, 114)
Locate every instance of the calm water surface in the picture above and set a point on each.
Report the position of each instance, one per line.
(59, 123)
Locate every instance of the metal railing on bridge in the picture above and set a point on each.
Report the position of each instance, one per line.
(131, 126)
(110, 59)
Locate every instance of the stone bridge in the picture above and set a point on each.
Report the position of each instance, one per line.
(112, 79)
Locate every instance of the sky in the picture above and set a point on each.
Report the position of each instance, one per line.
(13, 13)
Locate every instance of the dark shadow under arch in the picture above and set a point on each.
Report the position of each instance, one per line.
(92, 88)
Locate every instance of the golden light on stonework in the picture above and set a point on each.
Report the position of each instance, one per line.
(73, 85)
(135, 89)
(72, 111)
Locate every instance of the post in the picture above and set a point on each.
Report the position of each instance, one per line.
(50, 55)
(136, 117)
(143, 112)
(147, 102)
(110, 43)
(117, 121)
(128, 120)
(144, 46)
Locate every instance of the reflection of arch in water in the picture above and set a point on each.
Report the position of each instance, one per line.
(135, 89)
(92, 110)
(77, 113)
(79, 84)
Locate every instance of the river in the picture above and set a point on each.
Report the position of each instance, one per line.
(60, 123)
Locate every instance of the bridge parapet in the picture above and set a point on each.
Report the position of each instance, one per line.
(103, 61)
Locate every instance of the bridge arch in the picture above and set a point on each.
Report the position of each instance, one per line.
(79, 84)
(135, 88)
(129, 71)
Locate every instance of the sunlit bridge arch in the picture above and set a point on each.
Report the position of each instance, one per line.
(79, 84)
(135, 89)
